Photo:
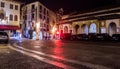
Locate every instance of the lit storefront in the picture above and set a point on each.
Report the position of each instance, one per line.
(9, 16)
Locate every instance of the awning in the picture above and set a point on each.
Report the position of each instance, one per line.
(9, 27)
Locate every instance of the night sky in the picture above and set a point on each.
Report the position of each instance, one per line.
(74, 5)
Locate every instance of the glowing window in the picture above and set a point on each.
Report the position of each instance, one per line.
(93, 28)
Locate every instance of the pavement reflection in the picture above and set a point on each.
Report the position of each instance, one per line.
(58, 50)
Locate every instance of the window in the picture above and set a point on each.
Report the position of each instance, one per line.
(44, 11)
(16, 18)
(40, 8)
(40, 16)
(44, 18)
(44, 25)
(2, 4)
(11, 17)
(47, 27)
(1, 16)
(25, 17)
(33, 6)
(11, 6)
(47, 20)
(33, 16)
(16, 7)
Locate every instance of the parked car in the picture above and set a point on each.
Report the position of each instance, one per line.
(82, 37)
(116, 37)
(73, 37)
(91, 36)
(65, 36)
(102, 37)
(4, 37)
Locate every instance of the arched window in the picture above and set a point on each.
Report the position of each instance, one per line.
(16, 18)
(93, 28)
(112, 28)
(84, 29)
(76, 29)
(65, 29)
(11, 17)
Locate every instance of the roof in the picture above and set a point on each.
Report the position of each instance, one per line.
(108, 13)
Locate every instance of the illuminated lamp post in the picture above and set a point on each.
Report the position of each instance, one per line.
(37, 30)
(54, 31)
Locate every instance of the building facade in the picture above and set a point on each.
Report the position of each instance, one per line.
(37, 18)
(99, 21)
(9, 16)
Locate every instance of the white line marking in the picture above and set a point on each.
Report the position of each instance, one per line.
(43, 59)
(94, 66)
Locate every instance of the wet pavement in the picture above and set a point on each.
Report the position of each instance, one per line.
(99, 53)
(10, 59)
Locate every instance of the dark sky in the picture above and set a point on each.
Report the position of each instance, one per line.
(74, 5)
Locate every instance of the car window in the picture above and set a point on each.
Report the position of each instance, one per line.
(3, 33)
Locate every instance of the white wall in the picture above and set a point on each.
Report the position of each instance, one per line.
(9, 11)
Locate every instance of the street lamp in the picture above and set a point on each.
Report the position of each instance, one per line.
(54, 30)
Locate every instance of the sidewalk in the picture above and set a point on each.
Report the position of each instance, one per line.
(10, 59)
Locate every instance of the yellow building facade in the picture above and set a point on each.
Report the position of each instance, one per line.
(100, 21)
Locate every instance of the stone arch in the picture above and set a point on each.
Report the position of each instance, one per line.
(112, 28)
(66, 29)
(84, 29)
(76, 28)
(93, 28)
